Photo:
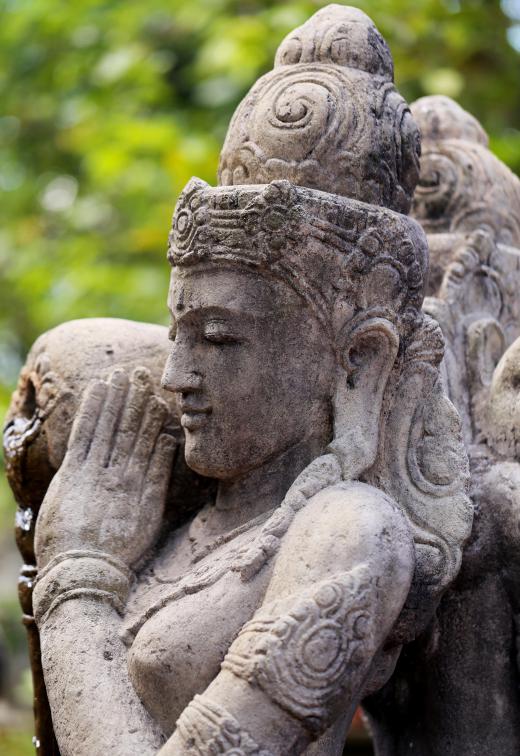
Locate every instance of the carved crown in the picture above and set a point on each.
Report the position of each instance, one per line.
(317, 157)
(335, 252)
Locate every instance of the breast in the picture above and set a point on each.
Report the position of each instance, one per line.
(178, 651)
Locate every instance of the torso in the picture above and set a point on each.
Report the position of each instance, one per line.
(183, 615)
(187, 608)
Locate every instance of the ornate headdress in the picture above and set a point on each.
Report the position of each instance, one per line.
(331, 134)
(333, 251)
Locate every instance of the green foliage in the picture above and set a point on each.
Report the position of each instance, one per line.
(109, 107)
(15, 743)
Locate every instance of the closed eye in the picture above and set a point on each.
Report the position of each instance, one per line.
(218, 332)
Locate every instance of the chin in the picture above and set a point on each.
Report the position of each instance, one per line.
(202, 458)
(214, 459)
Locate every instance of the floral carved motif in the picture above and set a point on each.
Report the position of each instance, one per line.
(207, 728)
(303, 659)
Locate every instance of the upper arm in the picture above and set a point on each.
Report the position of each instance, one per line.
(501, 494)
(340, 580)
(341, 527)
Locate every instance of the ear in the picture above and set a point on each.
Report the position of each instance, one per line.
(368, 353)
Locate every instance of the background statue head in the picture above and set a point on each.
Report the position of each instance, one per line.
(468, 202)
(463, 186)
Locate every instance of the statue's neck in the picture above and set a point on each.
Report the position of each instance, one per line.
(263, 488)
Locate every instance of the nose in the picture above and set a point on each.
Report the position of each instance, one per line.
(179, 377)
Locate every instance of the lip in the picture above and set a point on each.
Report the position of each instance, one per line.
(193, 418)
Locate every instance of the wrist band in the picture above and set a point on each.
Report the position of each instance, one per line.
(210, 729)
(80, 574)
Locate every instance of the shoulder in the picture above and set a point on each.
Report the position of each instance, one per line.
(343, 525)
(347, 506)
(500, 492)
(499, 499)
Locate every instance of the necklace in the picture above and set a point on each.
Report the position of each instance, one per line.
(201, 551)
(249, 559)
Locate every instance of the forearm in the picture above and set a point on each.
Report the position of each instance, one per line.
(94, 708)
(77, 600)
(101, 513)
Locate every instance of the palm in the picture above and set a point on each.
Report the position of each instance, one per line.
(109, 492)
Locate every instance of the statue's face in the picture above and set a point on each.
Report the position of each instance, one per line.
(250, 366)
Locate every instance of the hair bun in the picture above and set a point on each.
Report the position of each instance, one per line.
(328, 117)
(341, 36)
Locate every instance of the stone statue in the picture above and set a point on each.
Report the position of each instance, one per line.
(252, 613)
(456, 688)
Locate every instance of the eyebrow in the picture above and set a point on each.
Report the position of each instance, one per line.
(215, 310)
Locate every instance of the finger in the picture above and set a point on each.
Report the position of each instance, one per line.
(86, 420)
(131, 419)
(155, 415)
(103, 438)
(159, 471)
(161, 462)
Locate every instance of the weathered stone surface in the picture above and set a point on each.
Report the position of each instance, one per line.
(328, 116)
(307, 379)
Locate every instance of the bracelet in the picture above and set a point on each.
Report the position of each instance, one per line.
(80, 574)
(305, 658)
(210, 729)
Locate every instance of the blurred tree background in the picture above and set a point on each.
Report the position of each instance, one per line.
(109, 107)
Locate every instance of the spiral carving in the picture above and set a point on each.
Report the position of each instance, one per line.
(311, 102)
(292, 108)
(437, 185)
(327, 117)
